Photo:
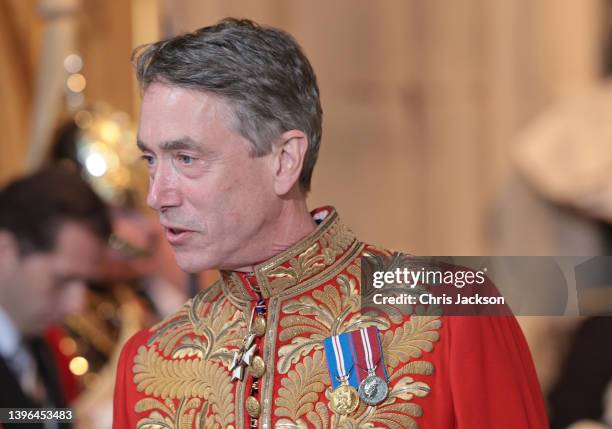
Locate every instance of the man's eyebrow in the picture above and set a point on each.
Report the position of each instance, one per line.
(141, 145)
(170, 145)
(182, 143)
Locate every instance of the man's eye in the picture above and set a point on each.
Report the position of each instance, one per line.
(185, 159)
(148, 159)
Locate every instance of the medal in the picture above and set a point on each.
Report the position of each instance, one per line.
(242, 357)
(373, 388)
(246, 354)
(247, 357)
(344, 400)
(339, 353)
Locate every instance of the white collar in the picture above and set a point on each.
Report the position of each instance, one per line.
(10, 338)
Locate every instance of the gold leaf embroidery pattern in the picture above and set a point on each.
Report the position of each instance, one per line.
(306, 264)
(175, 326)
(171, 330)
(394, 416)
(183, 379)
(288, 424)
(302, 386)
(389, 414)
(314, 259)
(411, 339)
(320, 416)
(336, 240)
(194, 344)
(216, 333)
(221, 331)
(420, 367)
(407, 388)
(333, 310)
(182, 418)
(330, 311)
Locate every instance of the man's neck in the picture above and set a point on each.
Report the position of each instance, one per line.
(298, 223)
(294, 223)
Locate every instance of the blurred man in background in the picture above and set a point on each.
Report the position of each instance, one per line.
(53, 230)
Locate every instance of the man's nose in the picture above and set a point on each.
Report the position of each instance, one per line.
(163, 190)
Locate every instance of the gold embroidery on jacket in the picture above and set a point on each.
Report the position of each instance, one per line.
(314, 259)
(185, 361)
(217, 325)
(305, 265)
(333, 310)
(408, 341)
(181, 379)
(183, 416)
(302, 386)
(411, 339)
(336, 239)
(330, 311)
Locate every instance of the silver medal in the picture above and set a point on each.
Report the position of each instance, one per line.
(373, 390)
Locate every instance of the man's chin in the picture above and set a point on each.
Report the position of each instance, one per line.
(191, 266)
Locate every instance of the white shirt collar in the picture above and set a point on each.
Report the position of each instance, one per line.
(10, 338)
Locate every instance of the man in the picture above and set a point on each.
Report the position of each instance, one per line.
(230, 128)
(53, 230)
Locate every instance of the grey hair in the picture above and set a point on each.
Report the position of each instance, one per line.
(261, 71)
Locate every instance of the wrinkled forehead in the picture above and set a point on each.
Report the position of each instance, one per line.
(170, 111)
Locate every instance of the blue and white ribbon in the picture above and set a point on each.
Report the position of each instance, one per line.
(339, 351)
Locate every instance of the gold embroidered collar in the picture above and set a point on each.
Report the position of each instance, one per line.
(302, 262)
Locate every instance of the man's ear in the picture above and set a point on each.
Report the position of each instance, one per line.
(290, 150)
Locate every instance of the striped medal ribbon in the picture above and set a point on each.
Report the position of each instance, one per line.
(340, 363)
(371, 371)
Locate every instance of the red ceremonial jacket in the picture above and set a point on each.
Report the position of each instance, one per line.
(467, 372)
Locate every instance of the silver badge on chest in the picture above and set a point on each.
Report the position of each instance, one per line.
(373, 390)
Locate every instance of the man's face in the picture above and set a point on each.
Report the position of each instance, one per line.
(41, 289)
(215, 201)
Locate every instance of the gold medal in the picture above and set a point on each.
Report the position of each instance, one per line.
(344, 400)
(259, 325)
(258, 367)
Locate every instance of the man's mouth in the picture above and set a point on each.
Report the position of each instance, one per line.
(177, 236)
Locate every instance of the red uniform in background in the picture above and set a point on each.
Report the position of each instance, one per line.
(67, 379)
(444, 372)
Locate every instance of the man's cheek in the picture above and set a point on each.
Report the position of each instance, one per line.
(235, 217)
(229, 188)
